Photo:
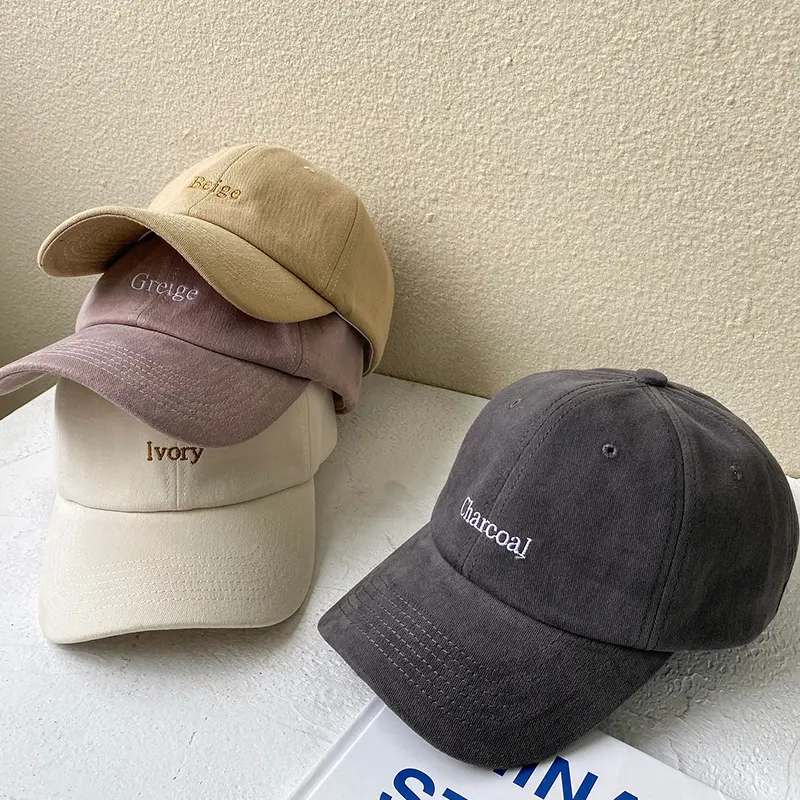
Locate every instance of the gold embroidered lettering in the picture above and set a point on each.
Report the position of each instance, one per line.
(190, 454)
(196, 452)
(224, 191)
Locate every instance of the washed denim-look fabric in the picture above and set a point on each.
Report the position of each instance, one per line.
(157, 340)
(648, 519)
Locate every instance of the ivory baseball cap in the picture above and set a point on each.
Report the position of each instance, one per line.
(279, 238)
(157, 340)
(149, 532)
(593, 523)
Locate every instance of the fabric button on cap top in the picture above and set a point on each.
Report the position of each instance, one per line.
(651, 377)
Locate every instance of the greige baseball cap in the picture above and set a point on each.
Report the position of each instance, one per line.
(157, 340)
(279, 238)
(149, 532)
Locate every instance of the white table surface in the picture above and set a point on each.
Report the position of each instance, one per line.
(244, 714)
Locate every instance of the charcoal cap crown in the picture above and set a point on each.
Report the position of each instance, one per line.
(592, 523)
(650, 516)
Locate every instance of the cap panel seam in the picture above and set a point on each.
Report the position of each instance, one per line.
(207, 195)
(346, 250)
(180, 488)
(750, 435)
(677, 558)
(172, 483)
(306, 404)
(541, 419)
(645, 632)
(528, 454)
(300, 350)
(528, 432)
(756, 442)
(587, 392)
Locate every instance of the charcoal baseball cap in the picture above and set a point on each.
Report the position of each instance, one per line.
(150, 532)
(157, 340)
(278, 237)
(593, 523)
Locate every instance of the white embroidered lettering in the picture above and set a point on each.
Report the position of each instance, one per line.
(142, 282)
(501, 537)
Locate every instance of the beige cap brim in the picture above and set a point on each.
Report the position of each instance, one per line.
(107, 573)
(245, 276)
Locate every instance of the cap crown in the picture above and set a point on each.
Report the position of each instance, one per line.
(639, 515)
(152, 286)
(107, 459)
(303, 218)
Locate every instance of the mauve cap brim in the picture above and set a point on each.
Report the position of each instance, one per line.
(182, 390)
(477, 679)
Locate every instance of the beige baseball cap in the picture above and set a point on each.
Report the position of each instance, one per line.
(279, 238)
(151, 533)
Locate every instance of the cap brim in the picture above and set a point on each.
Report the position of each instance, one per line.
(180, 389)
(107, 573)
(473, 676)
(245, 276)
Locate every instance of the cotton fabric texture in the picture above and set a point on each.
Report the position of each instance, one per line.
(158, 341)
(279, 238)
(593, 523)
(149, 532)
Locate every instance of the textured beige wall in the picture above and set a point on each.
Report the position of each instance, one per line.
(558, 184)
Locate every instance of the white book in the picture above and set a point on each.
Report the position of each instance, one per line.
(380, 758)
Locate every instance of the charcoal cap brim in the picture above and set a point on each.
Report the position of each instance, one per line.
(477, 679)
